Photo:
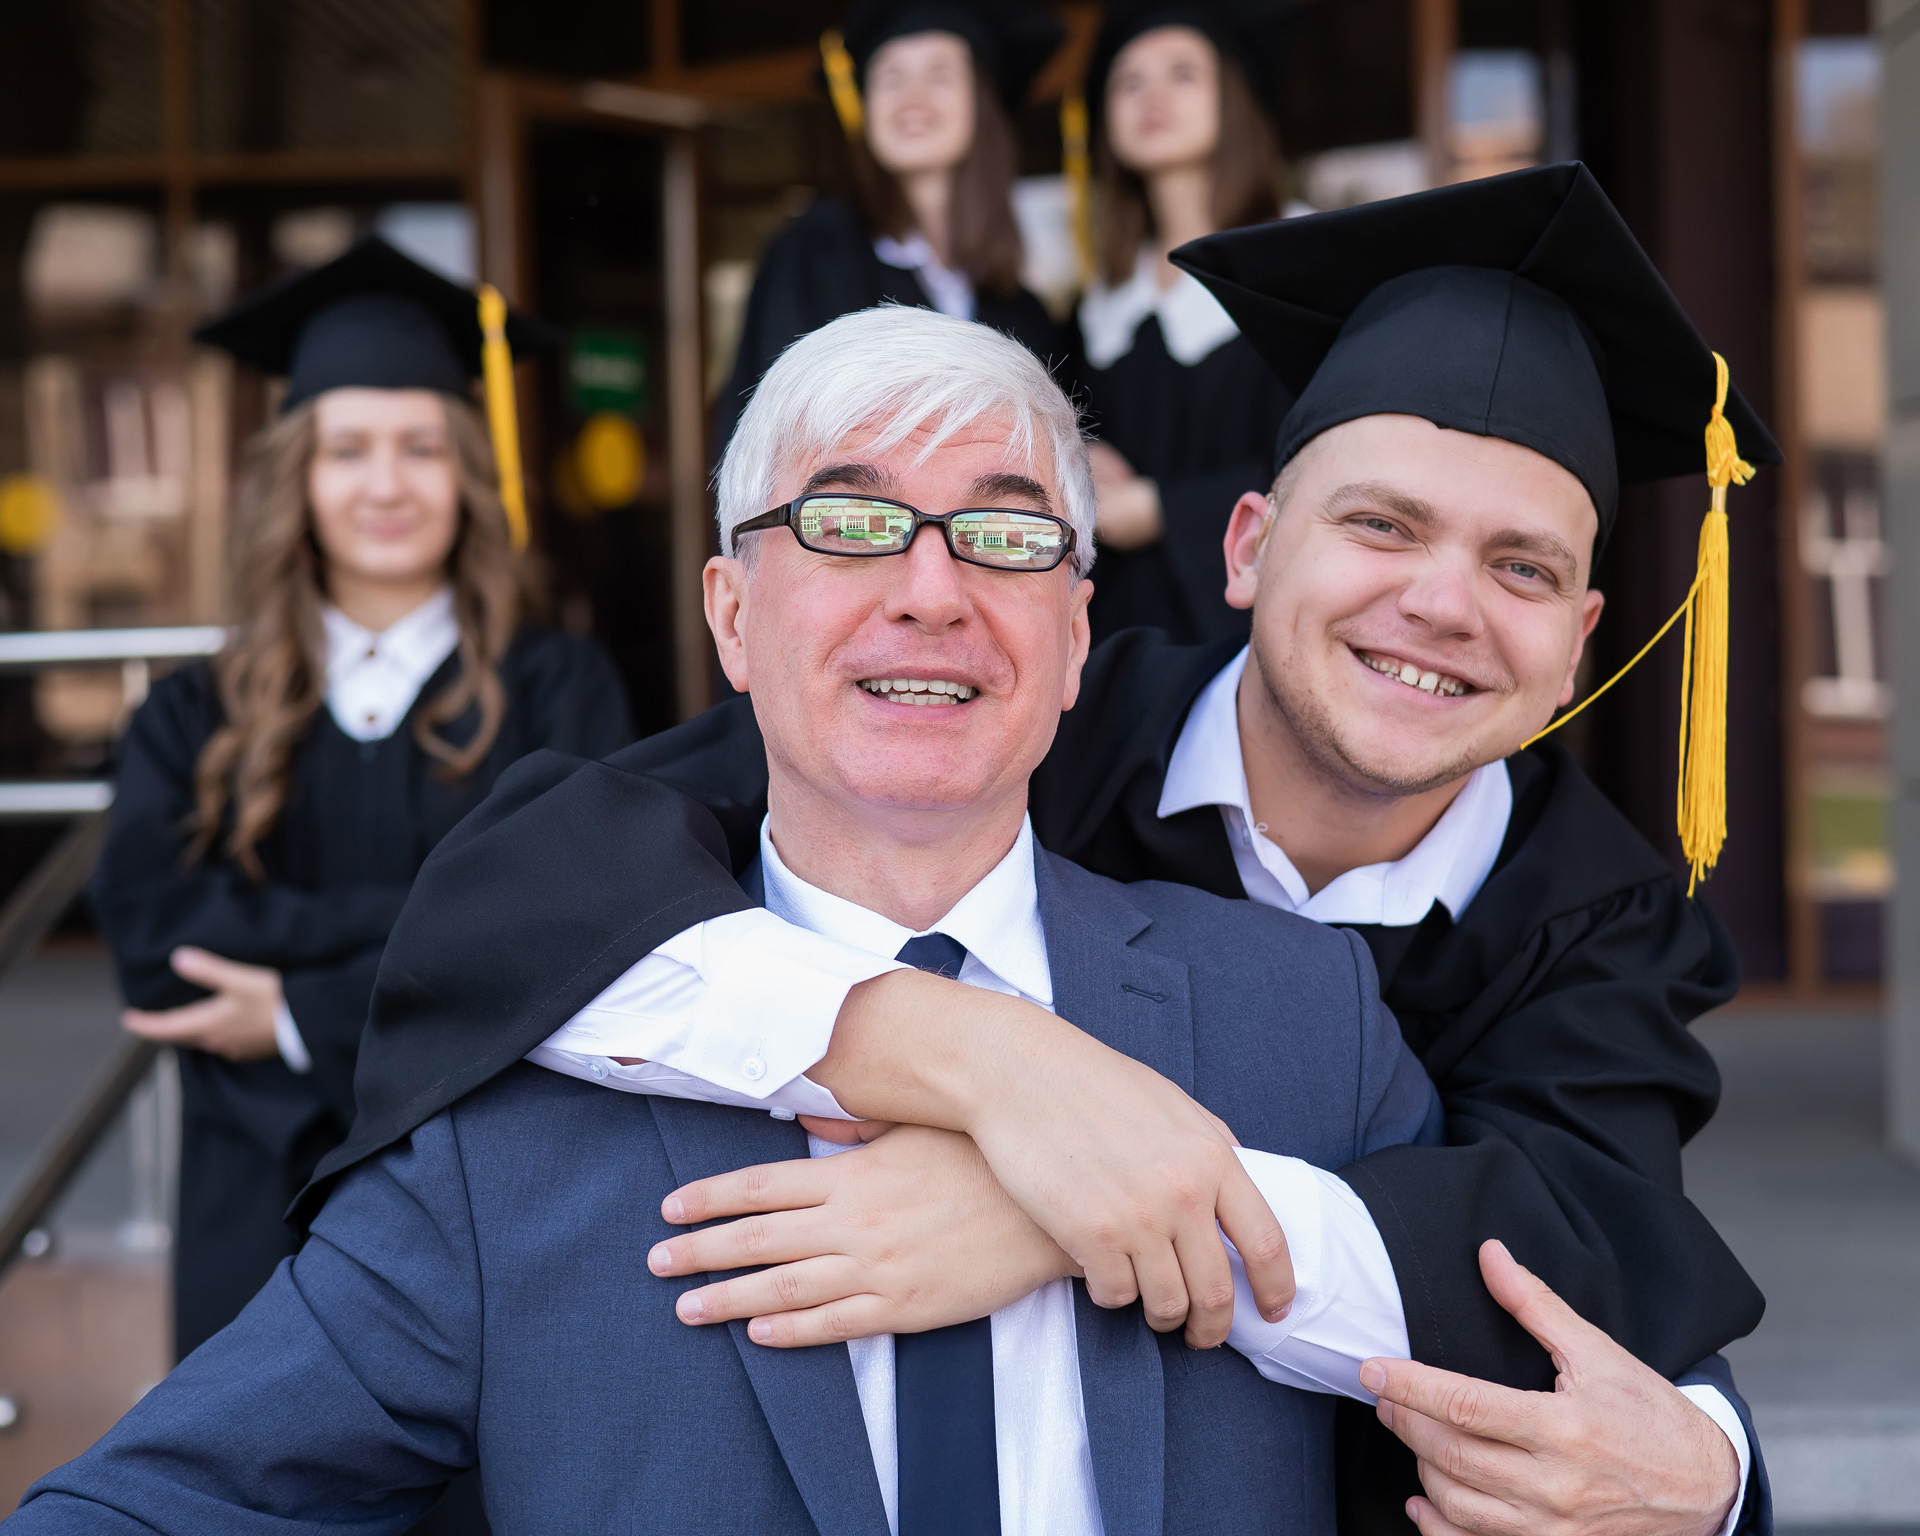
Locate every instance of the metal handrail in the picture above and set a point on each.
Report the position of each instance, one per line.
(31, 649)
(53, 884)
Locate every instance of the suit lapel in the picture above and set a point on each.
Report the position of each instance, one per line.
(807, 1395)
(1136, 1002)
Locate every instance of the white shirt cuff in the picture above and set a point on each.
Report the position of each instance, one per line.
(286, 1039)
(1346, 1306)
(1711, 1401)
(733, 1010)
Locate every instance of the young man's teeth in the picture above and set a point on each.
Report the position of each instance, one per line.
(918, 690)
(1406, 672)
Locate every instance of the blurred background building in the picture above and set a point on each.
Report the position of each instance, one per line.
(616, 166)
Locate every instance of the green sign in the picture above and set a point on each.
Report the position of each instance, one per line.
(607, 371)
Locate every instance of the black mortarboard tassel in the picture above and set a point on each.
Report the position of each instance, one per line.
(1011, 43)
(1518, 307)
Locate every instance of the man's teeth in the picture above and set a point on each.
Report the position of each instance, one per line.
(918, 690)
(1427, 682)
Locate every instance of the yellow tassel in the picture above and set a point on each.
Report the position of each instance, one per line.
(841, 85)
(1701, 800)
(503, 423)
(1077, 166)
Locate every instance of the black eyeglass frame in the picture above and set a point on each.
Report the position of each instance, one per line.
(784, 517)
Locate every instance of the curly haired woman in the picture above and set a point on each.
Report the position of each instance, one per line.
(274, 804)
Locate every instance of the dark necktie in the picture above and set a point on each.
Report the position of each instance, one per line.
(943, 1386)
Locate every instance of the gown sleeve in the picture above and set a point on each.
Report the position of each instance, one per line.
(149, 900)
(1569, 1085)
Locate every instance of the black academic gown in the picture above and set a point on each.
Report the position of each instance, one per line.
(1552, 1017)
(360, 819)
(823, 266)
(1205, 434)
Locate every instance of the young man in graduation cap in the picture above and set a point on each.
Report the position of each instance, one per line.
(1478, 369)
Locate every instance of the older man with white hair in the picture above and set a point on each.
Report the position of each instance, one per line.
(907, 611)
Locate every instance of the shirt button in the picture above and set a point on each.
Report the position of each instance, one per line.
(598, 1069)
(753, 1069)
(781, 1114)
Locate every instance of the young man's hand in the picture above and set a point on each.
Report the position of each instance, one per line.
(1614, 1450)
(1127, 1174)
(910, 1232)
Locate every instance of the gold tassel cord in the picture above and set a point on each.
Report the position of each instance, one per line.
(1700, 800)
(1700, 807)
(503, 422)
(1076, 166)
(841, 85)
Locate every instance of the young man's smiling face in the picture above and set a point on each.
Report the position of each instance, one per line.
(1420, 598)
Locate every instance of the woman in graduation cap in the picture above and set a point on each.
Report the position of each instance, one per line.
(1183, 146)
(274, 805)
(925, 90)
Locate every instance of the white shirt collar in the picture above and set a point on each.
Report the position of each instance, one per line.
(374, 675)
(1448, 865)
(951, 292)
(1191, 319)
(998, 920)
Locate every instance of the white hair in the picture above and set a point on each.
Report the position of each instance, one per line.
(890, 371)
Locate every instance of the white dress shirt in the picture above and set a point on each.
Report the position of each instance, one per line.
(1347, 1306)
(736, 1009)
(373, 677)
(951, 291)
(1448, 865)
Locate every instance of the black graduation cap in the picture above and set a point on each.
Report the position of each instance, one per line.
(1011, 40)
(1253, 35)
(1517, 306)
(372, 317)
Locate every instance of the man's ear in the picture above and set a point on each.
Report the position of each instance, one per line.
(1079, 639)
(725, 595)
(1246, 532)
(1590, 608)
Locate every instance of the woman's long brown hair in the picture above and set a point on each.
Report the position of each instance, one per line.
(271, 674)
(983, 237)
(1248, 174)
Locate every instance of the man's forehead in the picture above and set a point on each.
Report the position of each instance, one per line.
(1447, 478)
(891, 457)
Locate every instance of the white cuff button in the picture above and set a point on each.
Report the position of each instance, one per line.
(753, 1069)
(599, 1069)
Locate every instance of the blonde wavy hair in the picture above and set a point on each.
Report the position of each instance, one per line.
(271, 675)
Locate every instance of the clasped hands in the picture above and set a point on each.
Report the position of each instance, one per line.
(235, 1022)
(924, 1227)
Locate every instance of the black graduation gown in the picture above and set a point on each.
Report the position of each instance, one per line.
(1205, 434)
(359, 821)
(823, 266)
(1553, 1018)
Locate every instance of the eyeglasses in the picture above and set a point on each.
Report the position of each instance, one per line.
(869, 526)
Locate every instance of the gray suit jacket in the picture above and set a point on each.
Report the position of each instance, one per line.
(479, 1294)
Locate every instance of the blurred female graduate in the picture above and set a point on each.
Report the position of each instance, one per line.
(274, 805)
(925, 90)
(1181, 96)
